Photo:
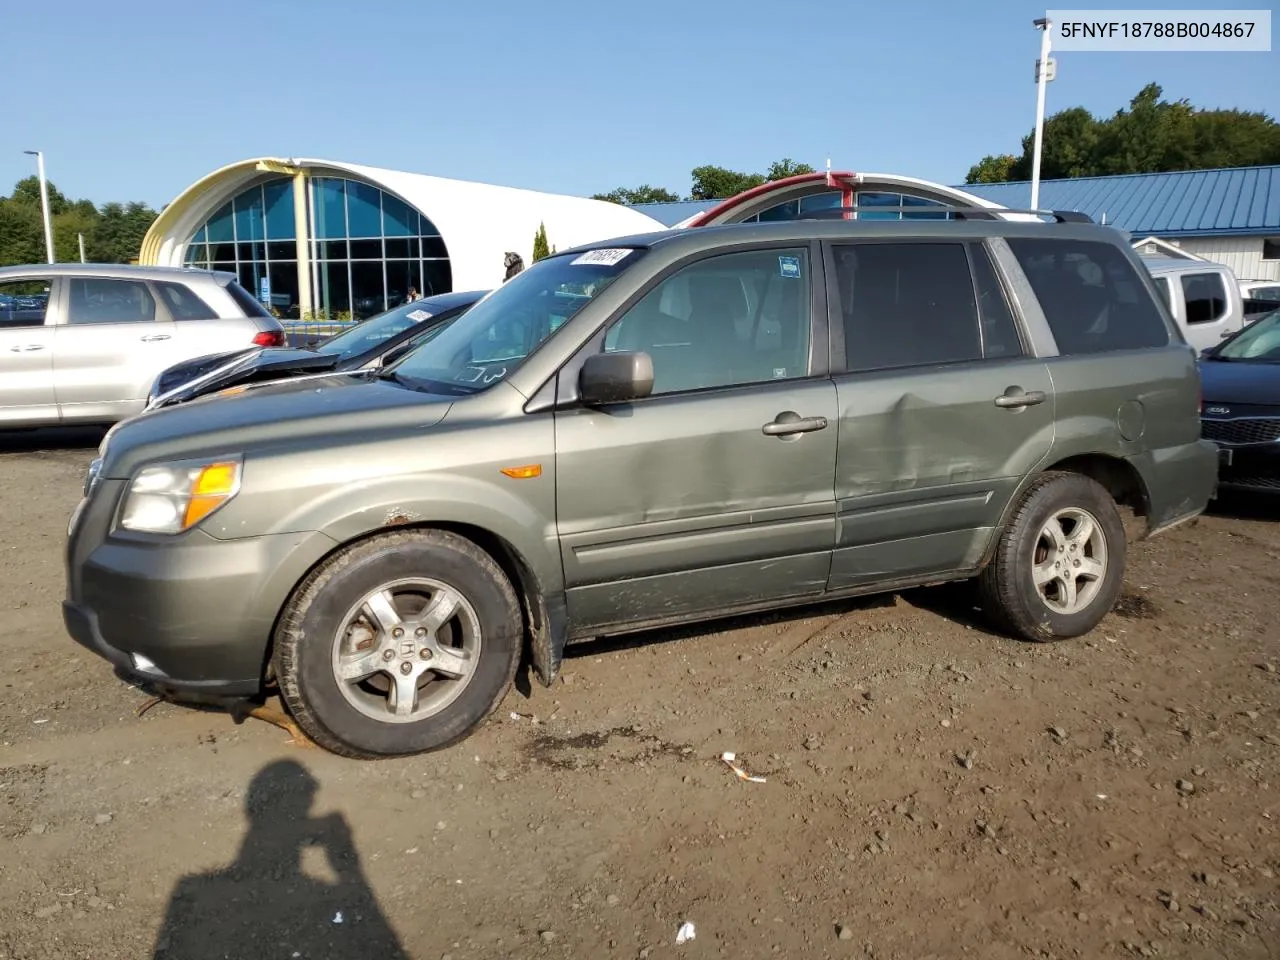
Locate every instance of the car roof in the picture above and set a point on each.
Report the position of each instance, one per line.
(1178, 265)
(447, 301)
(693, 239)
(126, 270)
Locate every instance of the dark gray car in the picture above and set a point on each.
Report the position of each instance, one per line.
(654, 430)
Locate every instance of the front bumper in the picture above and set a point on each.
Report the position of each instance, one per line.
(1254, 467)
(187, 614)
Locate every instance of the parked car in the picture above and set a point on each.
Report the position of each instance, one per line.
(1260, 290)
(366, 345)
(658, 429)
(1203, 297)
(1241, 408)
(82, 343)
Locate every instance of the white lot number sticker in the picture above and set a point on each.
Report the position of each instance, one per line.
(601, 258)
(418, 315)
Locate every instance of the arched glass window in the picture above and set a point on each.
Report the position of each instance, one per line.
(252, 235)
(368, 248)
(866, 202)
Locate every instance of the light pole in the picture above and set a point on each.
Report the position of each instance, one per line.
(1042, 77)
(44, 202)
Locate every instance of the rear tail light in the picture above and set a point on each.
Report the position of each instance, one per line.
(272, 338)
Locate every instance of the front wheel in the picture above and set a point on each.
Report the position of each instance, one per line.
(1059, 564)
(398, 645)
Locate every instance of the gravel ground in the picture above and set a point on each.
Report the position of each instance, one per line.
(933, 790)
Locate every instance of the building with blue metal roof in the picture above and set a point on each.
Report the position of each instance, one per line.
(1230, 216)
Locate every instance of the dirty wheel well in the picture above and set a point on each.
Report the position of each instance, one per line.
(1117, 476)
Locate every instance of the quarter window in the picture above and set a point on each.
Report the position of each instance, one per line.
(104, 300)
(1091, 295)
(183, 303)
(999, 330)
(733, 319)
(907, 304)
(23, 303)
(1206, 297)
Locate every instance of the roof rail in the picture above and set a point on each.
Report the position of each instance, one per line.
(932, 212)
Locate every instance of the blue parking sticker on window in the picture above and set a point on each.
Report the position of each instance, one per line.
(789, 267)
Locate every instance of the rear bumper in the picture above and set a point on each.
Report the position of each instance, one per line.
(1179, 481)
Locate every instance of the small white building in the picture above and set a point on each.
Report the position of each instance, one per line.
(319, 238)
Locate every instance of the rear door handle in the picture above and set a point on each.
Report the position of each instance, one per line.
(1014, 397)
(27, 347)
(788, 423)
(155, 336)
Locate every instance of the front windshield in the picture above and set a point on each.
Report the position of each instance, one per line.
(1259, 341)
(494, 337)
(376, 330)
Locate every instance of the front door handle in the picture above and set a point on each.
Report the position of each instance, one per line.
(1014, 397)
(789, 423)
(154, 336)
(27, 347)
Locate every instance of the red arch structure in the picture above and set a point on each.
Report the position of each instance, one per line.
(751, 202)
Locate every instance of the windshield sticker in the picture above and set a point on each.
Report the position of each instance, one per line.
(418, 315)
(600, 258)
(469, 374)
(789, 267)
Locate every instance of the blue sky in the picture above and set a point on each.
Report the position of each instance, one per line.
(138, 100)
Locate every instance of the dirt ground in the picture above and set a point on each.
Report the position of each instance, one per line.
(933, 790)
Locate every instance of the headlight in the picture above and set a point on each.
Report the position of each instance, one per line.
(171, 498)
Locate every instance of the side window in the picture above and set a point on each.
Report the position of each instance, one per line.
(732, 319)
(1091, 295)
(23, 303)
(999, 330)
(906, 304)
(1206, 297)
(1165, 291)
(183, 302)
(1265, 293)
(107, 300)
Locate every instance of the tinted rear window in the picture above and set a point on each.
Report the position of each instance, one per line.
(183, 302)
(245, 301)
(1091, 295)
(906, 304)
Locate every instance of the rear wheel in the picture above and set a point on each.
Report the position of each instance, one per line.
(400, 644)
(1059, 565)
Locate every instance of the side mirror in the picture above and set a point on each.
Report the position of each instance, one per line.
(615, 378)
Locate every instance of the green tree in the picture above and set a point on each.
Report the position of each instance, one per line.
(27, 190)
(992, 169)
(21, 233)
(717, 183)
(641, 194)
(541, 249)
(1151, 135)
(116, 236)
(786, 167)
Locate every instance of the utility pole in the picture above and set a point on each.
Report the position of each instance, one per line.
(44, 202)
(1044, 69)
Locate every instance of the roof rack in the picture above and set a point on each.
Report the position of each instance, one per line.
(932, 212)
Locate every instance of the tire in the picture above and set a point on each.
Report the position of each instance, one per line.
(429, 684)
(1029, 550)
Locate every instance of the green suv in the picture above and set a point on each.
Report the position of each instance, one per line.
(659, 429)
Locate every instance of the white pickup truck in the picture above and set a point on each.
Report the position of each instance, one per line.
(1204, 298)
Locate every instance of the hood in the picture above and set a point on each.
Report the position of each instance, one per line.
(1240, 382)
(199, 379)
(296, 412)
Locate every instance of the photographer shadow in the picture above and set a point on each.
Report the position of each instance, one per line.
(264, 905)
